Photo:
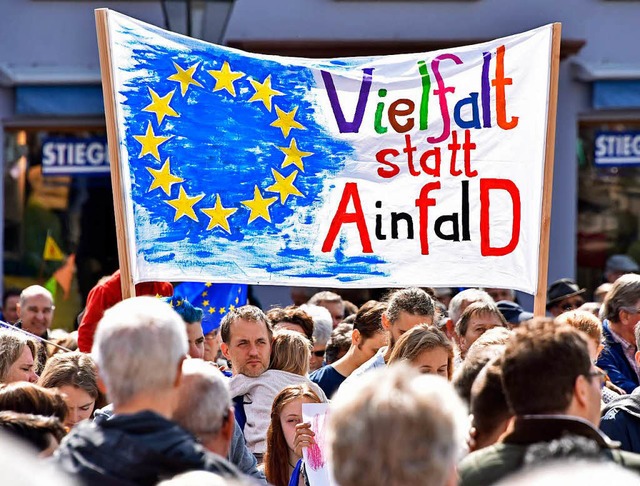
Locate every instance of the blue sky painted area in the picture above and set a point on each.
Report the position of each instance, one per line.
(222, 144)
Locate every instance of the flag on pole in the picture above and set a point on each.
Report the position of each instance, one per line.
(413, 169)
(64, 275)
(215, 300)
(52, 251)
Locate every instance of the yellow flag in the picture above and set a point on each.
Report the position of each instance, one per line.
(52, 251)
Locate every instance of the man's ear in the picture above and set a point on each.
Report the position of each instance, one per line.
(356, 337)
(450, 330)
(178, 379)
(227, 427)
(386, 324)
(637, 356)
(580, 391)
(101, 386)
(19, 310)
(225, 350)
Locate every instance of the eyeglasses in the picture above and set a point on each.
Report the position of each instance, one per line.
(602, 376)
(319, 353)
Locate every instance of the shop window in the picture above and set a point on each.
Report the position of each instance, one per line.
(608, 196)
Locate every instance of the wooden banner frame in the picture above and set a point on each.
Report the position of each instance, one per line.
(128, 286)
(540, 299)
(102, 28)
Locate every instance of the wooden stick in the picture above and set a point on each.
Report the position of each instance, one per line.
(539, 305)
(128, 287)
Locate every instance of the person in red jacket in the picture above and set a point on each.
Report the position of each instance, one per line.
(105, 295)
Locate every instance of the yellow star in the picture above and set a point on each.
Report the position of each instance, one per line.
(205, 293)
(219, 215)
(284, 185)
(225, 78)
(150, 142)
(293, 155)
(259, 206)
(160, 105)
(163, 178)
(205, 303)
(232, 308)
(264, 92)
(237, 300)
(286, 121)
(212, 310)
(185, 77)
(222, 310)
(184, 205)
(208, 284)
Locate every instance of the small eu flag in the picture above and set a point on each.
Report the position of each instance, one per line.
(215, 300)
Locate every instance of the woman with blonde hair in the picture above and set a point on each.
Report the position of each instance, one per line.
(76, 377)
(283, 459)
(427, 348)
(17, 355)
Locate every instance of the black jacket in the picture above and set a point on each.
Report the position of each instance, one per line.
(138, 449)
(621, 421)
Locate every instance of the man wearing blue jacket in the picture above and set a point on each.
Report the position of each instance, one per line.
(621, 312)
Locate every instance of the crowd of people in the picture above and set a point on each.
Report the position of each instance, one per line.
(423, 387)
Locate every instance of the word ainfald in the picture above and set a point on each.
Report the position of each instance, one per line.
(459, 220)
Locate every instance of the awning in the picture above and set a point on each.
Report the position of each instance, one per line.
(615, 85)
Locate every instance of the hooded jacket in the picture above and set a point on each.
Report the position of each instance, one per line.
(621, 421)
(137, 449)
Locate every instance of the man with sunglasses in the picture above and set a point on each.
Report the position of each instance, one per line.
(553, 389)
(621, 312)
(564, 295)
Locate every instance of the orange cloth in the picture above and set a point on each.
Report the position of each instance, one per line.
(104, 296)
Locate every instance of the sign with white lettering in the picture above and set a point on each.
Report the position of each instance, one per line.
(617, 148)
(75, 156)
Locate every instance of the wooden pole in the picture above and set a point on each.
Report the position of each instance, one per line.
(539, 305)
(128, 287)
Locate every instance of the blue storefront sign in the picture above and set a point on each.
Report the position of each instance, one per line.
(75, 156)
(617, 148)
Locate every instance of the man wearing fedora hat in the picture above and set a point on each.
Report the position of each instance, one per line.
(563, 295)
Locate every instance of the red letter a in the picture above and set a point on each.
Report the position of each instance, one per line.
(506, 185)
(350, 193)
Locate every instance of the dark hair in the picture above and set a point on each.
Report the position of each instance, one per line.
(339, 341)
(247, 313)
(276, 459)
(34, 429)
(10, 292)
(412, 300)
(540, 366)
(26, 397)
(294, 315)
(488, 402)
(473, 363)
(368, 321)
(183, 307)
(476, 309)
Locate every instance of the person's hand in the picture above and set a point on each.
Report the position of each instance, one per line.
(614, 388)
(303, 438)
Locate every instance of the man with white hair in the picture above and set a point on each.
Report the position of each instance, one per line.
(139, 348)
(205, 410)
(396, 426)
